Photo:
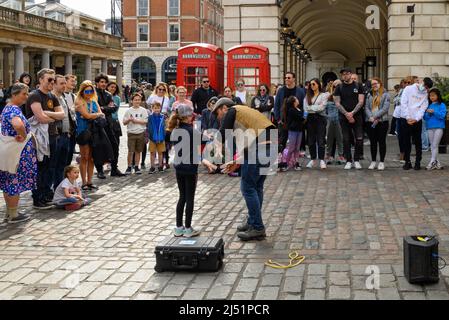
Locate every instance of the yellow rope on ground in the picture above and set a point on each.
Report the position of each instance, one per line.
(295, 260)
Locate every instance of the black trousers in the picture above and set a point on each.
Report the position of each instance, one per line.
(408, 133)
(351, 132)
(283, 138)
(187, 187)
(43, 173)
(316, 135)
(393, 126)
(114, 138)
(378, 137)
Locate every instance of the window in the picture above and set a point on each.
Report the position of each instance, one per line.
(174, 32)
(173, 7)
(143, 32)
(143, 8)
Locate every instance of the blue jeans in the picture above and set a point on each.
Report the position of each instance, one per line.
(59, 152)
(252, 190)
(61, 204)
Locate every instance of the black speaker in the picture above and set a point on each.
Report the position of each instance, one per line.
(421, 259)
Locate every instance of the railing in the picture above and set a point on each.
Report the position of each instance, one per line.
(30, 22)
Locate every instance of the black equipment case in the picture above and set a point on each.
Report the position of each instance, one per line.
(421, 259)
(189, 254)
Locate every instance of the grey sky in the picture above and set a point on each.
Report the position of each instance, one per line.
(96, 8)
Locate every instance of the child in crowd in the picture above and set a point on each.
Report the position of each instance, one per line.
(294, 117)
(186, 166)
(156, 132)
(68, 193)
(136, 118)
(435, 117)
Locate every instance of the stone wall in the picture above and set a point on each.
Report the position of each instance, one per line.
(426, 53)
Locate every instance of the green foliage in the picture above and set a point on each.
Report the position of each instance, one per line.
(442, 83)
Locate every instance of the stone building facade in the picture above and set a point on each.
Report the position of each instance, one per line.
(155, 29)
(390, 39)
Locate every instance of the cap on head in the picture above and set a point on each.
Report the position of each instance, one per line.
(343, 70)
(184, 111)
(223, 102)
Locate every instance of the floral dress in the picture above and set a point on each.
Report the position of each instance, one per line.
(25, 178)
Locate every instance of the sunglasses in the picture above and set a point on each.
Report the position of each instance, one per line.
(160, 89)
(51, 80)
(288, 78)
(263, 89)
(206, 81)
(89, 91)
(240, 84)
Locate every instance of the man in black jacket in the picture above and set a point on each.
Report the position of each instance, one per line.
(202, 95)
(113, 130)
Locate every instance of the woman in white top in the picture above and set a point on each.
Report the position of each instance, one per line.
(242, 93)
(315, 108)
(160, 95)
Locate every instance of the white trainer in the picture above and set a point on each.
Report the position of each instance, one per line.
(311, 164)
(323, 165)
(348, 166)
(357, 165)
(372, 166)
(381, 166)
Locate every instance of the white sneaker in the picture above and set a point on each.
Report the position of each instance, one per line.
(430, 166)
(311, 164)
(438, 165)
(357, 165)
(372, 166)
(381, 166)
(348, 166)
(323, 165)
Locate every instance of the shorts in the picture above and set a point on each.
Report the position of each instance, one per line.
(157, 147)
(136, 142)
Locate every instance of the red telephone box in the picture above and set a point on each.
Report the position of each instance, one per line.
(198, 60)
(250, 62)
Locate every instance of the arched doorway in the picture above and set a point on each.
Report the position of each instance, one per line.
(144, 69)
(169, 70)
(336, 33)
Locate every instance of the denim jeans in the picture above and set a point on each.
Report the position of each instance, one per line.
(59, 152)
(252, 190)
(60, 204)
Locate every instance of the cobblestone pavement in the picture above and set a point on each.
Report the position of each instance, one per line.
(341, 221)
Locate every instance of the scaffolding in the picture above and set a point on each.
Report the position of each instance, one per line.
(117, 17)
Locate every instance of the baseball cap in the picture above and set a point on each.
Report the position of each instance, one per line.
(223, 102)
(343, 70)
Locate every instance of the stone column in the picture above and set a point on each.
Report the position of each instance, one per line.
(18, 61)
(119, 75)
(260, 24)
(88, 68)
(68, 63)
(104, 66)
(6, 75)
(45, 59)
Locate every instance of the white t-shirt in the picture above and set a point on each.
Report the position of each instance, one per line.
(241, 95)
(164, 101)
(139, 114)
(65, 184)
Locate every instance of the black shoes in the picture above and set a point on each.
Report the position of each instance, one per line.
(101, 175)
(21, 217)
(407, 166)
(252, 234)
(243, 227)
(117, 173)
(417, 166)
(40, 205)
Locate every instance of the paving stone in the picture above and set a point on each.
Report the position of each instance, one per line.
(55, 294)
(9, 293)
(103, 292)
(242, 296)
(339, 293)
(271, 280)
(247, 285)
(156, 284)
(118, 278)
(267, 293)
(364, 295)
(128, 289)
(253, 270)
(339, 267)
(194, 294)
(219, 292)
(339, 278)
(292, 285)
(404, 285)
(145, 296)
(388, 294)
(100, 275)
(83, 290)
(226, 279)
(316, 282)
(314, 294)
(316, 269)
(414, 296)
(437, 295)
(16, 275)
(202, 282)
